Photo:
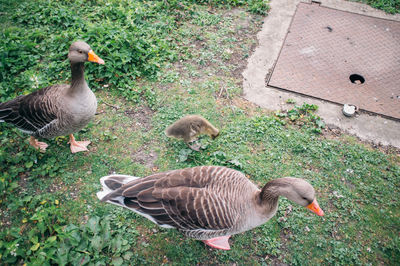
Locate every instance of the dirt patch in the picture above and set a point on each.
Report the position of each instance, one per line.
(335, 133)
(248, 107)
(142, 115)
(145, 157)
(23, 182)
(242, 30)
(247, 31)
(68, 192)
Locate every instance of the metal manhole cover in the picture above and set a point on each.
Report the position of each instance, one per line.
(343, 58)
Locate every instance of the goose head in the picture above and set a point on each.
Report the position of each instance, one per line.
(80, 52)
(295, 189)
(214, 136)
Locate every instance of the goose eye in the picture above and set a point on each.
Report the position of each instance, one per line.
(80, 51)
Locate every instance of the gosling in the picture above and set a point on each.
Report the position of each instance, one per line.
(189, 127)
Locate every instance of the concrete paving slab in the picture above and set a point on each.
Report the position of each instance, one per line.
(367, 127)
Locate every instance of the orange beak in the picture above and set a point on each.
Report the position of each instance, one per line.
(94, 58)
(314, 207)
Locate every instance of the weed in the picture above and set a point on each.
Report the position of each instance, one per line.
(389, 6)
(290, 101)
(304, 115)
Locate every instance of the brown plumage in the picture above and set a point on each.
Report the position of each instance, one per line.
(58, 109)
(191, 126)
(205, 202)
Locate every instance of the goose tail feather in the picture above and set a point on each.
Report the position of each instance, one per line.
(111, 183)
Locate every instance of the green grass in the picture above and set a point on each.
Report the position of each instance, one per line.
(180, 59)
(389, 6)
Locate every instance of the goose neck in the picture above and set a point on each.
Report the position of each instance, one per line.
(270, 193)
(77, 76)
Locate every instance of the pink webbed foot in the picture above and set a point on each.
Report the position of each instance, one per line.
(37, 144)
(218, 242)
(77, 146)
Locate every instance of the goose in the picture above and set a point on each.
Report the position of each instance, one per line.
(208, 203)
(57, 110)
(189, 127)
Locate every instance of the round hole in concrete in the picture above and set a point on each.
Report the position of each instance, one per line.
(357, 79)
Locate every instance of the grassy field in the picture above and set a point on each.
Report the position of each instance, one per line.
(165, 59)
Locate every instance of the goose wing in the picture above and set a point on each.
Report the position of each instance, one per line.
(183, 199)
(31, 113)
